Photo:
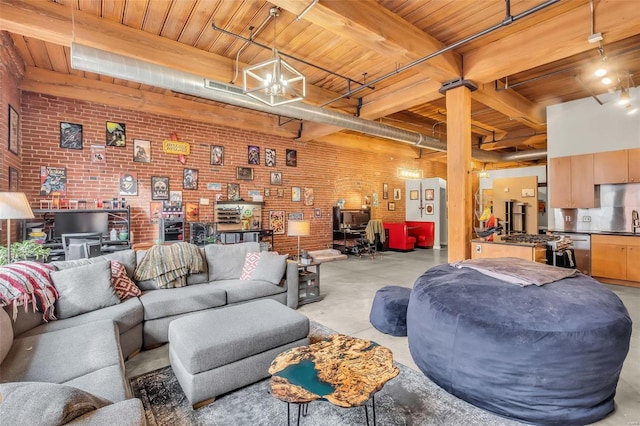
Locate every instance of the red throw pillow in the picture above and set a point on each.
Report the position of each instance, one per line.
(124, 287)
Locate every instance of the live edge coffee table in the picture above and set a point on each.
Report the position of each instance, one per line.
(343, 370)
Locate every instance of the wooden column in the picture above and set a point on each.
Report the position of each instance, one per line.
(459, 197)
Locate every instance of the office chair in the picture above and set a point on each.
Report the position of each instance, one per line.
(81, 245)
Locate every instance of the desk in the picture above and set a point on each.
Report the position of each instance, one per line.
(348, 238)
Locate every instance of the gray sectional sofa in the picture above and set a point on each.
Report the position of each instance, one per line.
(87, 351)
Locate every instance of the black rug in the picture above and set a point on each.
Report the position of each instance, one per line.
(408, 399)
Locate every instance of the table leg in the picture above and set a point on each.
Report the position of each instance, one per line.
(373, 403)
(288, 415)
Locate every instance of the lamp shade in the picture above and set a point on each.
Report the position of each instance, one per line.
(14, 205)
(298, 228)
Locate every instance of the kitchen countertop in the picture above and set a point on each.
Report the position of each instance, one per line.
(622, 234)
(496, 240)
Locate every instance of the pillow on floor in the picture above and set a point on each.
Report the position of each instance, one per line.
(265, 266)
(122, 284)
(84, 289)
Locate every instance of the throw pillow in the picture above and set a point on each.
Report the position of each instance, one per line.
(270, 267)
(122, 284)
(40, 403)
(225, 262)
(250, 263)
(84, 289)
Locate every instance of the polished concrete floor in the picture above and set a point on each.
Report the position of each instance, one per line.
(348, 288)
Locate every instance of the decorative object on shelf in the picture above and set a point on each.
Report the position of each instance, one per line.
(70, 135)
(116, 135)
(276, 221)
(159, 187)
(276, 178)
(397, 194)
(13, 205)
(14, 129)
(233, 191)
(217, 155)
(244, 173)
(128, 184)
(190, 179)
(298, 228)
(253, 155)
(317, 213)
(13, 179)
(385, 191)
(292, 158)
(296, 216)
(392, 206)
(295, 193)
(53, 180)
(98, 154)
(270, 157)
(428, 194)
(274, 82)
(308, 196)
(141, 151)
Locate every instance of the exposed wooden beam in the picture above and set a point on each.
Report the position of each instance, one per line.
(411, 91)
(511, 142)
(68, 86)
(512, 105)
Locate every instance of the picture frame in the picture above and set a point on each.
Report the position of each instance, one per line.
(296, 216)
(233, 191)
(276, 178)
(295, 193)
(397, 194)
(280, 192)
(98, 154)
(317, 213)
(141, 151)
(155, 211)
(191, 211)
(217, 155)
(14, 178)
(267, 192)
(116, 134)
(270, 157)
(14, 131)
(189, 179)
(413, 194)
(276, 221)
(253, 155)
(244, 173)
(53, 180)
(392, 206)
(428, 208)
(70, 135)
(385, 191)
(308, 197)
(428, 194)
(128, 183)
(292, 158)
(159, 187)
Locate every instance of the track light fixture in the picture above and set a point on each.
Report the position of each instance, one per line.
(624, 97)
(601, 70)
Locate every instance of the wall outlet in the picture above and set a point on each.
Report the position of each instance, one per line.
(478, 248)
(567, 218)
(586, 218)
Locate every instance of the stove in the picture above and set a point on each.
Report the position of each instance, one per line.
(529, 238)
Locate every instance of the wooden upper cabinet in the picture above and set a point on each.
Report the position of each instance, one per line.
(611, 167)
(582, 186)
(560, 182)
(634, 165)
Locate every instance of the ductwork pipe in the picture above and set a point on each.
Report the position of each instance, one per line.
(117, 66)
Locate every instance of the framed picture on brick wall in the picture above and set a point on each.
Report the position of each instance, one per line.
(217, 155)
(159, 187)
(270, 157)
(253, 155)
(116, 134)
(292, 158)
(276, 221)
(141, 151)
(190, 179)
(13, 179)
(14, 128)
(70, 135)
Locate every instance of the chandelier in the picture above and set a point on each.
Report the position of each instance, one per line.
(274, 82)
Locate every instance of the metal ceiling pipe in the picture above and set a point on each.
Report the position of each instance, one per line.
(117, 66)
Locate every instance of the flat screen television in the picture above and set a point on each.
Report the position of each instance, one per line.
(81, 222)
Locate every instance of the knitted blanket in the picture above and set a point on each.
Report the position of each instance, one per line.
(169, 264)
(28, 283)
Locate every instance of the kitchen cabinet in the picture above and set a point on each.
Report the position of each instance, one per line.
(571, 183)
(617, 166)
(634, 165)
(615, 257)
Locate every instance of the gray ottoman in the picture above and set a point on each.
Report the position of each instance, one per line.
(389, 310)
(216, 351)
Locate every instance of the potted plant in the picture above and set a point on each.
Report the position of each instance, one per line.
(24, 250)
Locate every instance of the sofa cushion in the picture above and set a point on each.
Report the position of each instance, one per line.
(270, 267)
(37, 403)
(6, 334)
(241, 291)
(226, 261)
(124, 413)
(166, 302)
(108, 383)
(197, 278)
(126, 257)
(122, 284)
(84, 289)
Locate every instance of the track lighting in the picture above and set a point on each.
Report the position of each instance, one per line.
(606, 81)
(624, 97)
(631, 109)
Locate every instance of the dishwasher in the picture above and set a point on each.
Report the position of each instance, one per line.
(581, 249)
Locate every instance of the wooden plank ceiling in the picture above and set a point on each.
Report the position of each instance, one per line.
(521, 68)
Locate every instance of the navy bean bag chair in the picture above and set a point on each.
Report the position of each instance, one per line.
(389, 310)
(545, 355)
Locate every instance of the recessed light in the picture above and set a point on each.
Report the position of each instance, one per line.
(600, 72)
(606, 80)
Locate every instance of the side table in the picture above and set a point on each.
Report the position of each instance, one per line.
(308, 283)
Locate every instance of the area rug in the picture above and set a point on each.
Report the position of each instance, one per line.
(408, 399)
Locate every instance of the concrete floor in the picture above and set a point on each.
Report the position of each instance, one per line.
(349, 286)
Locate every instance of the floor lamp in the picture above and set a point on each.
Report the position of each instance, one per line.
(13, 205)
(298, 228)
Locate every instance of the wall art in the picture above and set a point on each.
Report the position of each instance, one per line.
(70, 135)
(155, 210)
(128, 183)
(276, 221)
(244, 173)
(295, 193)
(280, 192)
(253, 155)
(317, 213)
(159, 187)
(214, 186)
(14, 130)
(296, 216)
(217, 155)
(175, 200)
(276, 178)
(141, 151)
(429, 208)
(292, 158)
(13, 179)
(397, 194)
(428, 194)
(53, 180)
(191, 212)
(116, 135)
(308, 196)
(189, 179)
(233, 191)
(413, 195)
(385, 191)
(392, 206)
(98, 154)
(267, 192)
(270, 157)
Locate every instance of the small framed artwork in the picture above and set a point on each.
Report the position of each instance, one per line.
(159, 187)
(429, 208)
(397, 195)
(14, 128)
(276, 178)
(292, 158)
(244, 173)
(70, 135)
(270, 157)
(98, 154)
(155, 210)
(128, 183)
(233, 191)
(189, 179)
(141, 151)
(217, 155)
(280, 192)
(276, 221)
(317, 213)
(296, 216)
(376, 200)
(13, 179)
(428, 194)
(385, 191)
(267, 192)
(308, 196)
(253, 155)
(191, 212)
(295, 193)
(392, 206)
(116, 135)
(413, 195)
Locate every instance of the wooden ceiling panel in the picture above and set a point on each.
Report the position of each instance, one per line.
(113, 10)
(21, 46)
(156, 16)
(199, 22)
(179, 14)
(58, 59)
(39, 53)
(134, 13)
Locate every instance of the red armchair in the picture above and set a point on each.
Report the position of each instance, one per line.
(423, 231)
(399, 238)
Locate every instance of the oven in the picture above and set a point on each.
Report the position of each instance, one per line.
(581, 250)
